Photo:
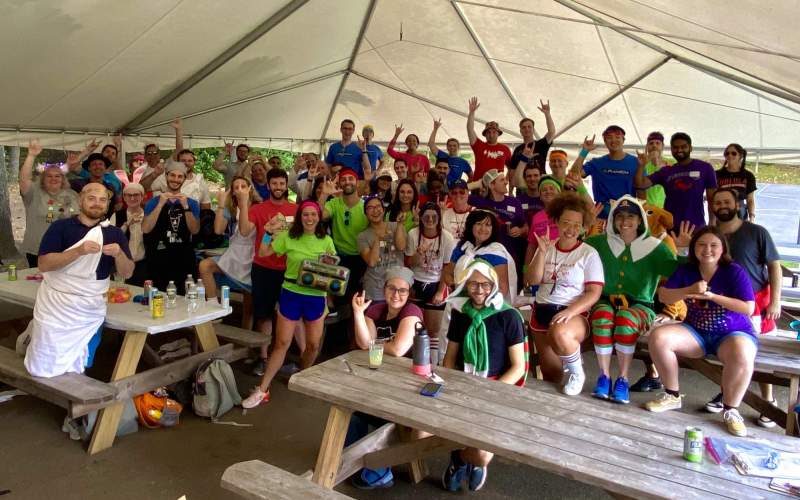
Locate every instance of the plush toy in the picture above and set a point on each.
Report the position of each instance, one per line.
(660, 223)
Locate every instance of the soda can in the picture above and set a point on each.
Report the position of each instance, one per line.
(157, 305)
(693, 444)
(12, 272)
(226, 296)
(148, 285)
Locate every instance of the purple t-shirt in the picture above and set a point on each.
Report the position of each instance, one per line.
(708, 316)
(508, 210)
(684, 186)
(530, 204)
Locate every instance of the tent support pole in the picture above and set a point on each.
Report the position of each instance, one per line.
(773, 89)
(215, 64)
(615, 94)
(489, 61)
(361, 33)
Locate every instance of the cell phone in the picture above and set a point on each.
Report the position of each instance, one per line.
(431, 389)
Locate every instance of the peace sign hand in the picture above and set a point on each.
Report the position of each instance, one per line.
(544, 107)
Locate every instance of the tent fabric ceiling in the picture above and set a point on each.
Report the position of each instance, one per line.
(658, 65)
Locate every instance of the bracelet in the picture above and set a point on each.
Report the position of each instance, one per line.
(266, 239)
(584, 153)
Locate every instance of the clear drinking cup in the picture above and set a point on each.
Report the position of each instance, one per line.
(375, 354)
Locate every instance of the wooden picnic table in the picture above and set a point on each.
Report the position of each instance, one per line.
(137, 323)
(629, 452)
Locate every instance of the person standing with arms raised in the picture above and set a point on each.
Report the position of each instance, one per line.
(490, 154)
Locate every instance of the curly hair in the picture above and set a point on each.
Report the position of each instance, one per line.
(567, 200)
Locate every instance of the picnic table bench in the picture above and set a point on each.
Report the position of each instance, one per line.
(627, 451)
(257, 480)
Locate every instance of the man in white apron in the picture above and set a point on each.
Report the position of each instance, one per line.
(76, 257)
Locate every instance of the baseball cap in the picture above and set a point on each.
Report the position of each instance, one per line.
(459, 184)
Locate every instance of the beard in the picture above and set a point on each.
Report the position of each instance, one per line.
(725, 214)
(349, 189)
(680, 156)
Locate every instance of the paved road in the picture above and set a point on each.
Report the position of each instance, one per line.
(778, 209)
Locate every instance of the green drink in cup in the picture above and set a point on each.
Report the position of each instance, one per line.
(375, 354)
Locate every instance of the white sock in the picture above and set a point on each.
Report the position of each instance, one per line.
(573, 362)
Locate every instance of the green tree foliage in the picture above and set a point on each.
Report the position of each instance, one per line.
(206, 156)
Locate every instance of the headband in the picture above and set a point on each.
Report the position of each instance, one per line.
(549, 180)
(309, 203)
(558, 154)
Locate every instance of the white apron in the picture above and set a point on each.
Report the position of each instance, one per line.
(70, 307)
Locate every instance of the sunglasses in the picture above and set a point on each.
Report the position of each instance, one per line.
(347, 217)
(731, 153)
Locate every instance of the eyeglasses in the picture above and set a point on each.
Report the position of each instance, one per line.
(347, 217)
(484, 286)
(568, 224)
(394, 290)
(731, 153)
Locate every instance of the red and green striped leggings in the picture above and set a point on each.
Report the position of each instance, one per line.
(618, 328)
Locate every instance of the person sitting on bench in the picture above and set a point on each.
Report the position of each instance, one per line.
(720, 300)
(76, 257)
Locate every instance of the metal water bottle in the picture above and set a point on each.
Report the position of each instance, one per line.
(422, 352)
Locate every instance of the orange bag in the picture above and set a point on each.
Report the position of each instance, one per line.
(157, 411)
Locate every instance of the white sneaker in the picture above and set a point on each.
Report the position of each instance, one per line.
(574, 384)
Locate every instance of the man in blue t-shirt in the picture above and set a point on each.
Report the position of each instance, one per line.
(458, 166)
(685, 183)
(346, 152)
(612, 174)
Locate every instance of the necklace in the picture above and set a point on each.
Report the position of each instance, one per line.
(557, 265)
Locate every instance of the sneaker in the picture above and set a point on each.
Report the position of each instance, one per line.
(602, 388)
(72, 428)
(259, 367)
(454, 475)
(647, 384)
(289, 369)
(764, 421)
(621, 394)
(477, 477)
(373, 479)
(255, 398)
(735, 422)
(715, 405)
(574, 384)
(664, 402)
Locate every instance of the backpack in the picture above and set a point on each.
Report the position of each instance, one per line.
(215, 391)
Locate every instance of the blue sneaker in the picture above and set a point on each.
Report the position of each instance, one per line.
(477, 477)
(602, 388)
(621, 393)
(454, 475)
(371, 479)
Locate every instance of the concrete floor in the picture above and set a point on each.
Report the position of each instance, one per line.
(39, 461)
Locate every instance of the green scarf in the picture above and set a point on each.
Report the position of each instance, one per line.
(476, 343)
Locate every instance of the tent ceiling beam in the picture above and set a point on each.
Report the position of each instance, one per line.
(215, 64)
(615, 94)
(247, 99)
(500, 78)
(770, 89)
(426, 100)
(359, 39)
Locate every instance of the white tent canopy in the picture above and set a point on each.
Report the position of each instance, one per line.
(284, 73)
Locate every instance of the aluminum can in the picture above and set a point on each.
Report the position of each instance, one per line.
(157, 306)
(148, 285)
(693, 444)
(226, 296)
(12, 272)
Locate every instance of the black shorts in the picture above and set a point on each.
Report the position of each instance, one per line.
(267, 285)
(423, 294)
(543, 314)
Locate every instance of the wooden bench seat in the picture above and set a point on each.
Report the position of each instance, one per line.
(64, 390)
(257, 480)
(240, 336)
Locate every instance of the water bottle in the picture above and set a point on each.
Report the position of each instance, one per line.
(191, 299)
(189, 281)
(172, 295)
(421, 352)
(201, 291)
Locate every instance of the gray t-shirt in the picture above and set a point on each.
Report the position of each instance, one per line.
(41, 209)
(375, 277)
(752, 248)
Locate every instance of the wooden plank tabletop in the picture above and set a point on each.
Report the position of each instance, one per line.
(128, 316)
(626, 450)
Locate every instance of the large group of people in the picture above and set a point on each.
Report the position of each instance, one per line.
(430, 239)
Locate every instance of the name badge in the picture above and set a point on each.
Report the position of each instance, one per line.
(524, 206)
(694, 174)
(511, 208)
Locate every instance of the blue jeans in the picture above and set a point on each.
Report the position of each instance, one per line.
(710, 342)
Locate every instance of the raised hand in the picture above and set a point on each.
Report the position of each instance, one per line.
(34, 148)
(112, 249)
(544, 107)
(92, 145)
(597, 209)
(177, 124)
(473, 104)
(419, 177)
(362, 144)
(642, 158)
(415, 215)
(437, 122)
(73, 158)
(222, 197)
(117, 140)
(588, 144)
(684, 236)
(398, 129)
(228, 147)
(527, 152)
(275, 224)
(360, 303)
(544, 242)
(88, 247)
(330, 188)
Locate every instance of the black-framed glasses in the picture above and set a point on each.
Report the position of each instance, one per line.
(400, 291)
(484, 286)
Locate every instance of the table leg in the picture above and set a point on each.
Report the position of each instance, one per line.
(417, 468)
(791, 416)
(330, 451)
(105, 428)
(206, 336)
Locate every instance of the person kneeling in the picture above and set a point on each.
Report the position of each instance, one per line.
(720, 300)
(486, 339)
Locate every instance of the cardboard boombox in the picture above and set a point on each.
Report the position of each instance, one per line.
(324, 274)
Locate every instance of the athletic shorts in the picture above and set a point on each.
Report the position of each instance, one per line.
(423, 295)
(223, 279)
(762, 300)
(710, 342)
(296, 306)
(543, 315)
(267, 286)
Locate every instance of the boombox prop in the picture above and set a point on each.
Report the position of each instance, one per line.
(324, 274)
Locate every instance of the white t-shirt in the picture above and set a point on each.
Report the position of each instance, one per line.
(237, 261)
(567, 272)
(435, 256)
(196, 187)
(454, 222)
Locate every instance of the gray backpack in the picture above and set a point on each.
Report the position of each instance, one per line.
(215, 391)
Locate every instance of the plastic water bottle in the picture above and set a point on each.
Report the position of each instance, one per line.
(189, 281)
(172, 295)
(201, 291)
(422, 352)
(191, 299)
